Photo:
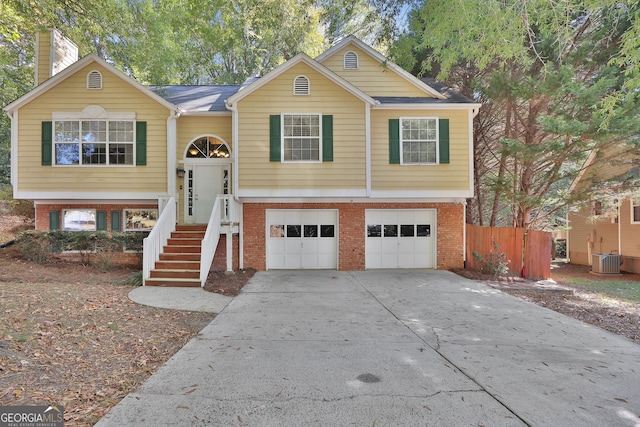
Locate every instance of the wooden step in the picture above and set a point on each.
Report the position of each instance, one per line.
(188, 235)
(184, 242)
(175, 274)
(180, 256)
(181, 249)
(177, 265)
(178, 283)
(191, 227)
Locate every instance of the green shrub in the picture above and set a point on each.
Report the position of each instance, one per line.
(494, 263)
(37, 245)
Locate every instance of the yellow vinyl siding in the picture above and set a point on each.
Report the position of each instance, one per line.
(190, 127)
(347, 171)
(629, 232)
(590, 235)
(71, 95)
(371, 76)
(452, 176)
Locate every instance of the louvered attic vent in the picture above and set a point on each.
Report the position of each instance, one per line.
(94, 80)
(301, 86)
(351, 60)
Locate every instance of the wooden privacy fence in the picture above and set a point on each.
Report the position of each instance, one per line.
(529, 251)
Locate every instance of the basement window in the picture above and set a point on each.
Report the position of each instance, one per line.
(140, 219)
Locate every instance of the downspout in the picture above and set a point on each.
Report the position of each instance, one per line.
(473, 113)
(464, 234)
(171, 154)
(235, 173)
(13, 117)
(367, 136)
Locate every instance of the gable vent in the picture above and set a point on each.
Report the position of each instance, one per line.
(351, 60)
(301, 86)
(94, 80)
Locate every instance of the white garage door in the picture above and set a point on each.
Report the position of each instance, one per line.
(302, 238)
(400, 238)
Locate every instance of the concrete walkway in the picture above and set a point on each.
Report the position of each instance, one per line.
(389, 348)
(190, 299)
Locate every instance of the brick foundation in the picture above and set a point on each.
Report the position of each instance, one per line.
(220, 258)
(351, 217)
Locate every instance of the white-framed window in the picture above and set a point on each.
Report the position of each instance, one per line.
(350, 60)
(635, 210)
(79, 219)
(301, 86)
(94, 80)
(418, 140)
(93, 142)
(301, 140)
(140, 219)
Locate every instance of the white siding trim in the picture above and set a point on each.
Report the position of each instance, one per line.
(305, 193)
(372, 202)
(82, 196)
(421, 194)
(95, 201)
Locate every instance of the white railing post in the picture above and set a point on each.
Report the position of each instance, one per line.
(210, 240)
(153, 244)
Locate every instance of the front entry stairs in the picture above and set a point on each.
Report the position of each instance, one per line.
(179, 263)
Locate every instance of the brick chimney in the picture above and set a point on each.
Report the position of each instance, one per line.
(54, 53)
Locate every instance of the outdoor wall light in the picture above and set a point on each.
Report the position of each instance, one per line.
(180, 172)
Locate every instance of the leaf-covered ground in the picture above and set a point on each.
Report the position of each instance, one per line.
(70, 336)
(616, 315)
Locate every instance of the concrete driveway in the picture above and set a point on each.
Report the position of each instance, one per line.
(389, 348)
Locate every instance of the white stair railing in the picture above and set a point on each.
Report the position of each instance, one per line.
(210, 240)
(154, 243)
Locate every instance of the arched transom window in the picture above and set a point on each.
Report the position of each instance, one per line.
(207, 147)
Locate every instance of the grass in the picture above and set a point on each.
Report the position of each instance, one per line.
(618, 289)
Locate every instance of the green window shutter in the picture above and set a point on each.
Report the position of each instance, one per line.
(327, 138)
(443, 130)
(394, 141)
(101, 220)
(115, 221)
(47, 141)
(54, 220)
(274, 138)
(141, 143)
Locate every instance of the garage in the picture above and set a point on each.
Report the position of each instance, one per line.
(302, 238)
(400, 238)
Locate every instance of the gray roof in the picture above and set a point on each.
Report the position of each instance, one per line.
(211, 98)
(451, 96)
(197, 98)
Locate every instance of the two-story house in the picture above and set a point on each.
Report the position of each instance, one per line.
(345, 161)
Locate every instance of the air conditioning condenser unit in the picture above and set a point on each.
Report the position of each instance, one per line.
(605, 263)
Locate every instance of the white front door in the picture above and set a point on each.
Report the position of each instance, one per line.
(203, 184)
